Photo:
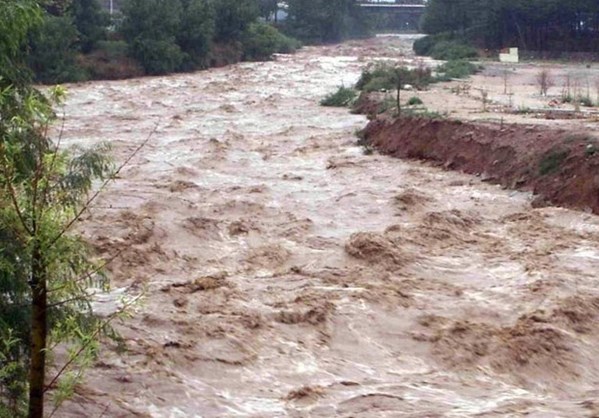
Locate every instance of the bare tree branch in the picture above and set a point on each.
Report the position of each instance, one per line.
(91, 340)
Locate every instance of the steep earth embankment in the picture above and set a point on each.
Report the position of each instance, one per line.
(559, 166)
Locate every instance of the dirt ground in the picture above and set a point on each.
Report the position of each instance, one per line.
(285, 273)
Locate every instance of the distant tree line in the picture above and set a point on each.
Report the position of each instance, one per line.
(540, 25)
(79, 40)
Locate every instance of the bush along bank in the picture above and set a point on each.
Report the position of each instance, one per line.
(560, 167)
(377, 81)
(77, 40)
(80, 41)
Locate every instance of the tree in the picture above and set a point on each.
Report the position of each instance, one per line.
(261, 40)
(232, 17)
(150, 27)
(45, 269)
(318, 21)
(56, 7)
(53, 50)
(268, 9)
(91, 22)
(196, 31)
(531, 24)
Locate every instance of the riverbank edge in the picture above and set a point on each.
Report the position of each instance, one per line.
(560, 167)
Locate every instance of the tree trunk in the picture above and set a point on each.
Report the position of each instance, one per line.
(398, 99)
(39, 332)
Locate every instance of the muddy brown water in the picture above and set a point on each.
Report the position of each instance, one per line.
(285, 273)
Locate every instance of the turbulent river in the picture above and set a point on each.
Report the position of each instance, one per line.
(285, 273)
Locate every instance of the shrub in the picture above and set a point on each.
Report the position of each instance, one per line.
(456, 69)
(425, 45)
(344, 96)
(586, 101)
(384, 76)
(261, 40)
(157, 56)
(444, 46)
(552, 161)
(113, 49)
(452, 50)
(414, 101)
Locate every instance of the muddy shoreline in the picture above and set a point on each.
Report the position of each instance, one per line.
(560, 166)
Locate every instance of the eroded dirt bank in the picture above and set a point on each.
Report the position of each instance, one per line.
(285, 273)
(559, 166)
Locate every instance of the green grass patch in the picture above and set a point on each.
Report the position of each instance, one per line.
(422, 112)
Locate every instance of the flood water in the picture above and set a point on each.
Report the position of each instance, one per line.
(285, 273)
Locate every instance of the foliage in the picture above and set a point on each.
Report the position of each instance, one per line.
(422, 112)
(232, 18)
(586, 101)
(150, 27)
(529, 24)
(53, 51)
(384, 76)
(157, 56)
(195, 33)
(261, 40)
(452, 50)
(16, 23)
(423, 46)
(344, 96)
(91, 22)
(268, 9)
(456, 69)
(323, 21)
(552, 161)
(45, 271)
(161, 37)
(387, 104)
(414, 101)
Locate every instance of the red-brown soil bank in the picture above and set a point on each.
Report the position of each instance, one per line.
(561, 167)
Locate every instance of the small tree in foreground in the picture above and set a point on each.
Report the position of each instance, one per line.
(46, 270)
